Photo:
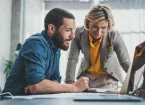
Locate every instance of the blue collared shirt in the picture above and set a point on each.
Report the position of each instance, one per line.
(38, 59)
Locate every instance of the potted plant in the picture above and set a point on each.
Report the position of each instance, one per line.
(8, 67)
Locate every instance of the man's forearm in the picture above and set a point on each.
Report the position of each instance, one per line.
(48, 86)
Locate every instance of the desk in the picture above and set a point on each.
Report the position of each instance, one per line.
(62, 101)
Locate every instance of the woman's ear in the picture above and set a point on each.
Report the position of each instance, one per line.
(51, 29)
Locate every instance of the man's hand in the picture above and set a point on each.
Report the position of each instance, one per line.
(82, 84)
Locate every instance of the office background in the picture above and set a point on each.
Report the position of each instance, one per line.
(21, 18)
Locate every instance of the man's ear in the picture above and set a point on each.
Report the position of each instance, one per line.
(51, 29)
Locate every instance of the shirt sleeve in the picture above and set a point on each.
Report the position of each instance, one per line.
(33, 55)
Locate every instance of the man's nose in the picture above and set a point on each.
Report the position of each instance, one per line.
(72, 35)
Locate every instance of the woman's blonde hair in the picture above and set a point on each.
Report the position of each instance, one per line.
(99, 12)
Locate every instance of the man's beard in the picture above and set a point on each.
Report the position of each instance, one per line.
(58, 41)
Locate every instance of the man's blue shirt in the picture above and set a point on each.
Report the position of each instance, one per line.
(38, 59)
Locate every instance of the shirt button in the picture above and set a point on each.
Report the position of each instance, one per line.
(105, 69)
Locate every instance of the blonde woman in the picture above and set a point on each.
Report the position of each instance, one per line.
(106, 58)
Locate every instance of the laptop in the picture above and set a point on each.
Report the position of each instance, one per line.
(107, 95)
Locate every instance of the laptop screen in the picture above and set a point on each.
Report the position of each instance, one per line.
(138, 68)
(134, 77)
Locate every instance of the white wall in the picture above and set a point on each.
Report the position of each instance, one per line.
(131, 27)
(33, 15)
(5, 34)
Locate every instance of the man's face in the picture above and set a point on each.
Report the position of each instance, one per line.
(98, 29)
(64, 34)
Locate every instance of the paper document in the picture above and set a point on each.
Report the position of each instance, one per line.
(101, 90)
(59, 95)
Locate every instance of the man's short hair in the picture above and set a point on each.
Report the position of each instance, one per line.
(56, 16)
(99, 12)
